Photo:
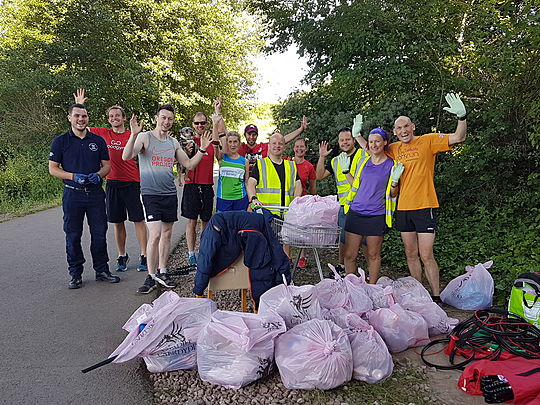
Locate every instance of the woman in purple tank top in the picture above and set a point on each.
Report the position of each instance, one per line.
(370, 205)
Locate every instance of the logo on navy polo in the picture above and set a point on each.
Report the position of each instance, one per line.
(93, 147)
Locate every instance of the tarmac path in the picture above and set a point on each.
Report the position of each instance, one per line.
(49, 333)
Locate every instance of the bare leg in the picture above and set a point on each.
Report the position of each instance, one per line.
(142, 236)
(425, 247)
(341, 253)
(287, 250)
(373, 257)
(152, 248)
(120, 238)
(410, 242)
(352, 245)
(165, 243)
(191, 234)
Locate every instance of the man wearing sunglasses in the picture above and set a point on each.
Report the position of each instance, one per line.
(253, 150)
(198, 194)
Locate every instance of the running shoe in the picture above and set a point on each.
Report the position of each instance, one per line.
(121, 262)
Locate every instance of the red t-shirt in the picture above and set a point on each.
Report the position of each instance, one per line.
(306, 172)
(120, 169)
(259, 151)
(204, 172)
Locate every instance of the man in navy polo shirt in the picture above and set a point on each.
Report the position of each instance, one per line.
(80, 158)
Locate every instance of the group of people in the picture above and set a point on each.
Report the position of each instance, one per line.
(369, 178)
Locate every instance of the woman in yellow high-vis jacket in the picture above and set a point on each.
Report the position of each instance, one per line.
(370, 204)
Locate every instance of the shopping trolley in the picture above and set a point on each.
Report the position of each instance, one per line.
(303, 237)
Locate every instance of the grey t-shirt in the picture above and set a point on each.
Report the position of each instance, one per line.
(156, 166)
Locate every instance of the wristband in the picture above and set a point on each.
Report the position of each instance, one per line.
(202, 151)
(215, 143)
(345, 172)
(463, 118)
(253, 198)
(395, 186)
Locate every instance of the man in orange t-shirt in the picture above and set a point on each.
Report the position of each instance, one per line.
(416, 216)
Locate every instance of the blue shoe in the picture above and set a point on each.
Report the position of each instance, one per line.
(143, 266)
(192, 259)
(122, 262)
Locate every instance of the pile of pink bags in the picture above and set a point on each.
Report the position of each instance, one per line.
(319, 336)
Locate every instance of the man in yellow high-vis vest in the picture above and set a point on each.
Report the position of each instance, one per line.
(274, 181)
(343, 167)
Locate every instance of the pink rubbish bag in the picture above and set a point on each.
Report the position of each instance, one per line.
(436, 318)
(472, 290)
(359, 300)
(332, 293)
(294, 304)
(165, 333)
(372, 361)
(314, 355)
(311, 211)
(409, 287)
(385, 281)
(237, 348)
(399, 328)
(381, 296)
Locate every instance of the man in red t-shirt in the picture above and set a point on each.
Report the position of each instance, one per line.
(123, 185)
(198, 194)
(253, 150)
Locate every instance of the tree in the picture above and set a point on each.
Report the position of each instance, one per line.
(137, 53)
(391, 58)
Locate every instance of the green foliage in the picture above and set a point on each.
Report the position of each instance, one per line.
(25, 182)
(137, 53)
(386, 59)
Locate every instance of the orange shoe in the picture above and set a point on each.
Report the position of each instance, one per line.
(302, 263)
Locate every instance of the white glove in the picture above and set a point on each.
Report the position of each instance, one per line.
(344, 161)
(456, 105)
(397, 171)
(357, 126)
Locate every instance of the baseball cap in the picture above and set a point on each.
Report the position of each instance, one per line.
(381, 132)
(251, 128)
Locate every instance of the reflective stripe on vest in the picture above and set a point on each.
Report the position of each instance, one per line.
(269, 187)
(389, 203)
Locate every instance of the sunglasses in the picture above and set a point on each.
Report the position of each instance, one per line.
(199, 122)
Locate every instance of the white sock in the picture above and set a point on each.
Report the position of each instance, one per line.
(153, 276)
(191, 253)
(163, 271)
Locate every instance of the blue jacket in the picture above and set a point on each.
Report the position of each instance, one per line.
(229, 233)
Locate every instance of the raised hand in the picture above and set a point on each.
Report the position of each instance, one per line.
(218, 103)
(456, 106)
(357, 126)
(305, 123)
(79, 97)
(323, 149)
(344, 161)
(397, 171)
(135, 126)
(206, 140)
